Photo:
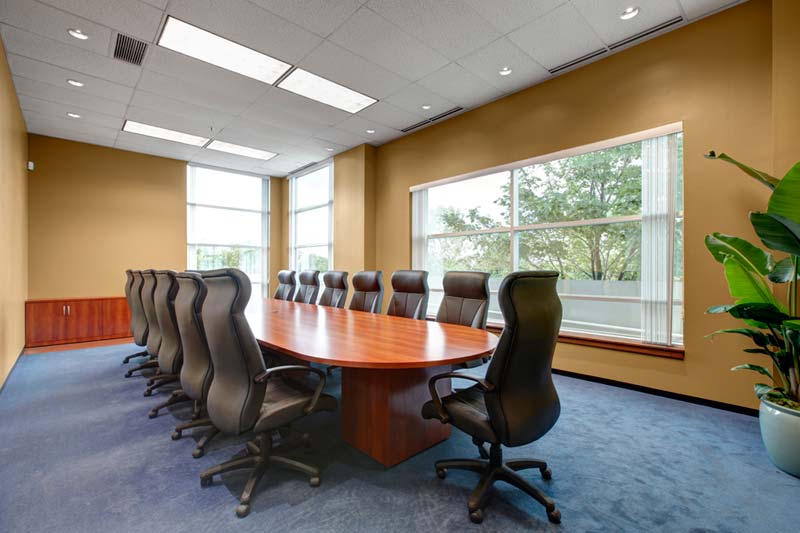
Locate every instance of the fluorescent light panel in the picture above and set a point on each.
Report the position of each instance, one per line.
(205, 46)
(241, 150)
(163, 133)
(317, 88)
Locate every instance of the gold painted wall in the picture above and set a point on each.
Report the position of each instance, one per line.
(785, 84)
(13, 222)
(715, 76)
(96, 211)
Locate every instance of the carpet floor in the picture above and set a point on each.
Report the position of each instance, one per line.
(78, 453)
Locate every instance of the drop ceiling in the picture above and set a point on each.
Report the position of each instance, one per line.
(441, 54)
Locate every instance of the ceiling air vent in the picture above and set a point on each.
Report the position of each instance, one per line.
(432, 119)
(647, 32)
(129, 49)
(587, 57)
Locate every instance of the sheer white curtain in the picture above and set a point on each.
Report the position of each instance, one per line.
(419, 229)
(659, 182)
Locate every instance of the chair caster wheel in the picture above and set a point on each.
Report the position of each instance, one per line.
(205, 481)
(314, 481)
(176, 435)
(441, 473)
(197, 453)
(554, 516)
(152, 414)
(547, 474)
(476, 516)
(128, 374)
(148, 392)
(243, 510)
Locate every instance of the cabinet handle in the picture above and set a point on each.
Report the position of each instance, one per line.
(69, 310)
(64, 310)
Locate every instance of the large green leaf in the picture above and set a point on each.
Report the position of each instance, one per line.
(777, 232)
(782, 271)
(785, 201)
(750, 256)
(755, 368)
(745, 285)
(761, 312)
(763, 177)
(759, 337)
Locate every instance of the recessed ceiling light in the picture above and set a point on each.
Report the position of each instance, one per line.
(329, 149)
(370, 131)
(629, 13)
(426, 107)
(75, 83)
(310, 85)
(505, 71)
(78, 34)
(73, 115)
(205, 46)
(241, 150)
(163, 133)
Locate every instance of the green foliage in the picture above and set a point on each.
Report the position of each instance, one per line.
(763, 177)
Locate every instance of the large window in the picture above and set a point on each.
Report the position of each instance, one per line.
(607, 217)
(311, 216)
(228, 224)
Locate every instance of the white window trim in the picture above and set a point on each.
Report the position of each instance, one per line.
(294, 211)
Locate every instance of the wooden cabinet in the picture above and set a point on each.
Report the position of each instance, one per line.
(75, 320)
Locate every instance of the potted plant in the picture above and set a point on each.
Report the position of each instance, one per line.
(772, 324)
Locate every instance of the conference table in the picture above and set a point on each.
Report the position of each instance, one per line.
(386, 362)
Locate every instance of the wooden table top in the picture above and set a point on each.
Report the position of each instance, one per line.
(365, 340)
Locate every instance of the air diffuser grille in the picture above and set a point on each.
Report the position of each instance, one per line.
(129, 50)
(432, 119)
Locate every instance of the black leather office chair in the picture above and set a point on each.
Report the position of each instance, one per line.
(465, 302)
(308, 289)
(367, 291)
(246, 396)
(170, 352)
(410, 296)
(286, 284)
(133, 295)
(153, 331)
(516, 403)
(335, 292)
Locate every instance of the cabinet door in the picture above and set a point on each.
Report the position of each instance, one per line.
(116, 318)
(45, 323)
(84, 320)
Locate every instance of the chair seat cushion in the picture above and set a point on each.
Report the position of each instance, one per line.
(467, 410)
(285, 401)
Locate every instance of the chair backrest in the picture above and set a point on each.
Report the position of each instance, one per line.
(170, 353)
(367, 291)
(197, 371)
(466, 299)
(410, 297)
(524, 404)
(308, 289)
(286, 284)
(148, 305)
(234, 399)
(138, 319)
(335, 292)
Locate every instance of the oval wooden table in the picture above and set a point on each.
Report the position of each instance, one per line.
(386, 363)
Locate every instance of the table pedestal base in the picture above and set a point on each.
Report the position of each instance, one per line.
(381, 412)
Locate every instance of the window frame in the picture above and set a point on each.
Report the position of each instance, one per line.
(294, 211)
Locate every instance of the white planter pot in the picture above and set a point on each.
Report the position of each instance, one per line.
(780, 429)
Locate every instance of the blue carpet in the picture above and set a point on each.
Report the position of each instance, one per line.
(78, 453)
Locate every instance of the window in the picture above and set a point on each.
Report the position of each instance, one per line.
(228, 225)
(608, 217)
(310, 219)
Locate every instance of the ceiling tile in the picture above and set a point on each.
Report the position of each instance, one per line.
(603, 16)
(160, 4)
(488, 61)
(57, 76)
(70, 57)
(558, 37)
(160, 147)
(449, 26)
(225, 160)
(51, 125)
(388, 115)
(346, 68)
(376, 39)
(697, 8)
(243, 131)
(318, 16)
(164, 104)
(71, 135)
(248, 25)
(225, 102)
(359, 126)
(507, 15)
(53, 23)
(314, 144)
(341, 137)
(69, 96)
(132, 17)
(460, 86)
(413, 97)
(276, 117)
(59, 110)
(303, 107)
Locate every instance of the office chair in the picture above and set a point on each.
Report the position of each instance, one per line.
(153, 331)
(465, 302)
(367, 291)
(410, 296)
(244, 395)
(286, 284)
(516, 402)
(133, 294)
(335, 292)
(308, 289)
(170, 353)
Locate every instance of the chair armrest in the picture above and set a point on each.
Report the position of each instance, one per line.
(484, 385)
(264, 376)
